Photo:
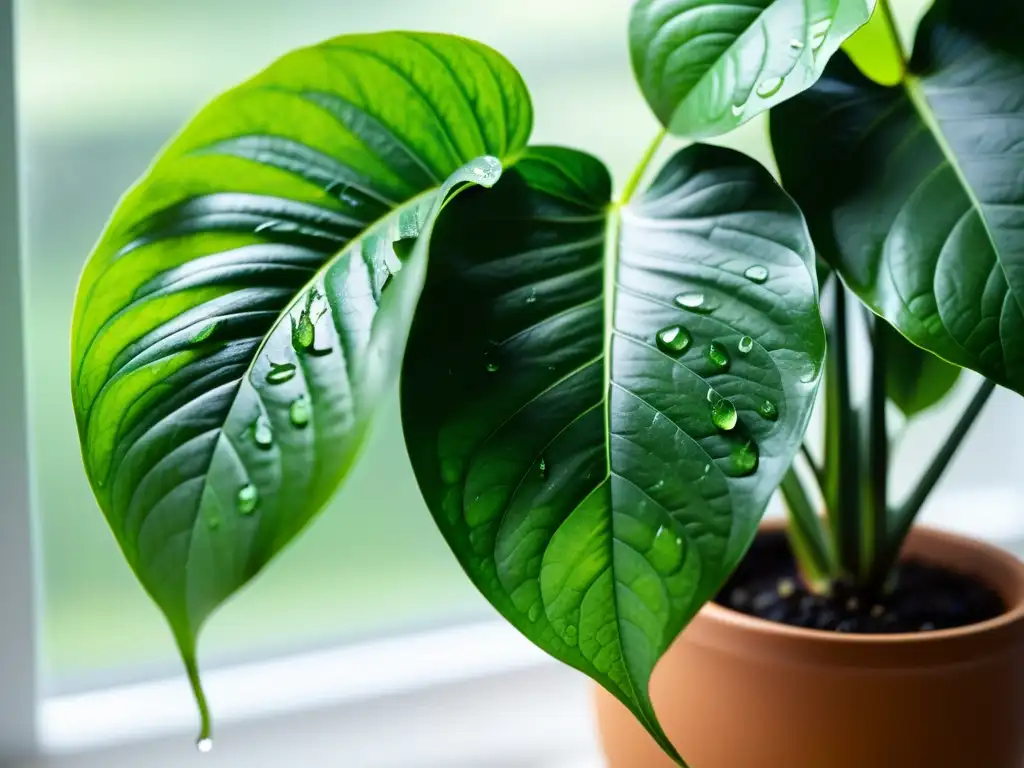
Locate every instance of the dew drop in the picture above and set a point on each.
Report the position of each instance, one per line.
(543, 466)
(756, 274)
(303, 333)
(262, 433)
(492, 367)
(299, 413)
(719, 356)
(487, 170)
(248, 498)
(723, 415)
(746, 344)
(534, 613)
(204, 334)
(280, 373)
(204, 745)
(796, 44)
(712, 396)
(695, 301)
(738, 110)
(666, 553)
(745, 458)
(768, 410)
(532, 298)
(674, 340)
(769, 87)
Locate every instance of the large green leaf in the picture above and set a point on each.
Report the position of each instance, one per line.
(915, 380)
(564, 434)
(238, 323)
(915, 193)
(707, 66)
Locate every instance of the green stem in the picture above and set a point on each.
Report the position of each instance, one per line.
(842, 444)
(819, 476)
(641, 168)
(806, 533)
(907, 513)
(875, 521)
(186, 646)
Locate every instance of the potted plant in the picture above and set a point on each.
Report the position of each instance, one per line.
(599, 394)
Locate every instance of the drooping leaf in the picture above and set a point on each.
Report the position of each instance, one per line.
(248, 304)
(706, 66)
(600, 431)
(915, 193)
(915, 380)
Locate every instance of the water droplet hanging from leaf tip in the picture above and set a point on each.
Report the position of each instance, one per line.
(204, 745)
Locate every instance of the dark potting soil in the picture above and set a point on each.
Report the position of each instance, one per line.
(920, 597)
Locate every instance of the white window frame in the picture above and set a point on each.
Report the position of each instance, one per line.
(464, 696)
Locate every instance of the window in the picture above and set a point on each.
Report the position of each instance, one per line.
(102, 84)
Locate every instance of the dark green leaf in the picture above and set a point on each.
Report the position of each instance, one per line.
(564, 433)
(915, 380)
(707, 66)
(238, 321)
(915, 193)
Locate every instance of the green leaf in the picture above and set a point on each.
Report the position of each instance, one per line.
(915, 380)
(238, 322)
(915, 194)
(876, 49)
(563, 434)
(706, 66)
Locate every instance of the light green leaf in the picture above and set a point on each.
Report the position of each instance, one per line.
(564, 434)
(707, 66)
(238, 322)
(915, 193)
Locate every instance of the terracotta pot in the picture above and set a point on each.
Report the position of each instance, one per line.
(739, 692)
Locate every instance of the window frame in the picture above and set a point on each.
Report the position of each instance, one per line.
(18, 636)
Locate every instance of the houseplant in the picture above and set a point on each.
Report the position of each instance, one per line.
(599, 397)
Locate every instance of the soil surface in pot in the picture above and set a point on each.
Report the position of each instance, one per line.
(920, 597)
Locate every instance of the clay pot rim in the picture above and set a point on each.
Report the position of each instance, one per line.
(1012, 595)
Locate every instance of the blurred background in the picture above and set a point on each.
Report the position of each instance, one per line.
(103, 84)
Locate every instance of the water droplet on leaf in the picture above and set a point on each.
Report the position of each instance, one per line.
(712, 396)
(248, 498)
(262, 433)
(674, 340)
(666, 553)
(719, 356)
(280, 373)
(746, 344)
(756, 274)
(738, 110)
(769, 87)
(796, 45)
(492, 367)
(723, 414)
(745, 458)
(768, 410)
(695, 301)
(299, 413)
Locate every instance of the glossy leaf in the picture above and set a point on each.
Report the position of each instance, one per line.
(249, 302)
(915, 380)
(915, 193)
(706, 66)
(564, 434)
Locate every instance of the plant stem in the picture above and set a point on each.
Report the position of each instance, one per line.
(641, 168)
(875, 517)
(905, 516)
(815, 469)
(842, 444)
(806, 533)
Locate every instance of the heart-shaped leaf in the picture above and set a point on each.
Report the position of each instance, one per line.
(706, 66)
(915, 192)
(600, 431)
(238, 322)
